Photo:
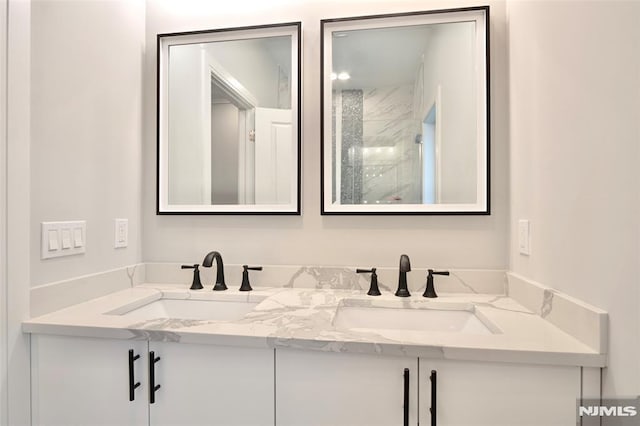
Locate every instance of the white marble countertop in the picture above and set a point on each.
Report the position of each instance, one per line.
(304, 319)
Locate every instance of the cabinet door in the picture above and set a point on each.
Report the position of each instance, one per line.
(334, 389)
(85, 382)
(212, 385)
(495, 394)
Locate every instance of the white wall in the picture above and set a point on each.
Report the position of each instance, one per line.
(224, 153)
(74, 105)
(18, 210)
(573, 107)
(312, 239)
(192, 175)
(86, 108)
(575, 132)
(254, 64)
(189, 128)
(450, 63)
(3, 211)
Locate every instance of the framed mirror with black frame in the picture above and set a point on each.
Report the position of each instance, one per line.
(405, 113)
(229, 121)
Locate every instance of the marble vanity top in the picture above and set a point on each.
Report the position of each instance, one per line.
(304, 319)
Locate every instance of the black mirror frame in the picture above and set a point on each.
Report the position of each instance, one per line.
(486, 210)
(296, 68)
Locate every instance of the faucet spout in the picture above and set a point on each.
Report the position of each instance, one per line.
(208, 262)
(405, 266)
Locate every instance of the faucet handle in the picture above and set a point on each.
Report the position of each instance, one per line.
(430, 290)
(246, 285)
(195, 284)
(373, 286)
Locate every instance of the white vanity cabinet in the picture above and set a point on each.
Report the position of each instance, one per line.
(340, 389)
(333, 389)
(497, 394)
(86, 382)
(212, 385)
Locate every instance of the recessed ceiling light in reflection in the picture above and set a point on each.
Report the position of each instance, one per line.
(344, 76)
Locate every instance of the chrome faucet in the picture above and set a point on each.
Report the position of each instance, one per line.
(405, 266)
(208, 261)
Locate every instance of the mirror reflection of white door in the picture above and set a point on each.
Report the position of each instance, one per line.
(429, 164)
(273, 156)
(431, 151)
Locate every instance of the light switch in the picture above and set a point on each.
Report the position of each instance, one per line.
(78, 241)
(121, 233)
(524, 237)
(62, 238)
(66, 239)
(52, 240)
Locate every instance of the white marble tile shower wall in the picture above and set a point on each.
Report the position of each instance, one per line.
(391, 157)
(388, 103)
(376, 131)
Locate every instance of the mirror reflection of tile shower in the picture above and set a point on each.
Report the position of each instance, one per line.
(403, 118)
(379, 153)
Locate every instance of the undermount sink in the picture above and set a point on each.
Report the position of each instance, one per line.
(380, 318)
(188, 309)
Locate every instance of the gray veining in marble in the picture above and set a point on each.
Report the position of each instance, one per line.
(561, 310)
(155, 335)
(168, 323)
(547, 303)
(131, 274)
(380, 159)
(495, 304)
(461, 281)
(303, 315)
(303, 318)
(388, 103)
(392, 165)
(323, 277)
(387, 133)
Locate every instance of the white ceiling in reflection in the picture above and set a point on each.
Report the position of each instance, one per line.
(379, 57)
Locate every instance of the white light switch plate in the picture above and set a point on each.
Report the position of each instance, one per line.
(121, 233)
(61, 238)
(524, 243)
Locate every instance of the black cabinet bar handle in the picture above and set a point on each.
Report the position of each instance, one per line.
(152, 377)
(434, 395)
(132, 383)
(406, 397)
